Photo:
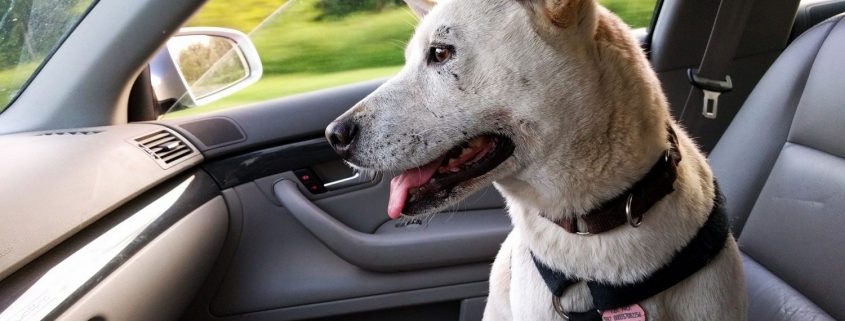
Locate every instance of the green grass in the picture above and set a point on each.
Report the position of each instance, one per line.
(298, 41)
(637, 13)
(11, 81)
(274, 86)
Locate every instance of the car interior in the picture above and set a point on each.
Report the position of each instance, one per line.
(110, 212)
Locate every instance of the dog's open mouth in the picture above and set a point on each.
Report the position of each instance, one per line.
(419, 189)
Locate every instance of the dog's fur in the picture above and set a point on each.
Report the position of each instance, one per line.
(573, 90)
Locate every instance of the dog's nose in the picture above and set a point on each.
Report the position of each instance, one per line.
(341, 134)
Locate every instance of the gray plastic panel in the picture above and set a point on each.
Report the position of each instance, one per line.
(369, 303)
(364, 207)
(280, 266)
(70, 181)
(158, 282)
(213, 132)
(472, 309)
(443, 241)
(369, 216)
(46, 287)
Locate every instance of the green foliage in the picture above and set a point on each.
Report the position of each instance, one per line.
(298, 41)
(243, 15)
(209, 64)
(29, 31)
(339, 8)
(11, 80)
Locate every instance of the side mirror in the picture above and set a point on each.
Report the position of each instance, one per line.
(200, 65)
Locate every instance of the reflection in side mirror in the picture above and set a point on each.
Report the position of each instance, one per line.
(208, 63)
(202, 65)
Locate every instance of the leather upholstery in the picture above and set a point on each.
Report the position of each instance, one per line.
(781, 166)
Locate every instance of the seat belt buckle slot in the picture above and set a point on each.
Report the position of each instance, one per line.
(711, 89)
(711, 104)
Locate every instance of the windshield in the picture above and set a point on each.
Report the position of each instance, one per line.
(30, 30)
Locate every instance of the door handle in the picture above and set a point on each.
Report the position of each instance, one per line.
(445, 245)
(356, 179)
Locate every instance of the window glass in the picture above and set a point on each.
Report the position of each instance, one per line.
(30, 30)
(307, 45)
(636, 13)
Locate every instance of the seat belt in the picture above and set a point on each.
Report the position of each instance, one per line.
(712, 77)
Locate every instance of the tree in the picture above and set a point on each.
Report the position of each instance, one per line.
(339, 8)
(31, 29)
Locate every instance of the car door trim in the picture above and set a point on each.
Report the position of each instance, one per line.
(393, 252)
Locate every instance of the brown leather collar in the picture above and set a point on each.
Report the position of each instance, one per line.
(630, 206)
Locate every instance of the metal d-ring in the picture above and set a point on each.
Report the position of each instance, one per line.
(559, 307)
(628, 212)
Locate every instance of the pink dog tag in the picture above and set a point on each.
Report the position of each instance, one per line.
(629, 313)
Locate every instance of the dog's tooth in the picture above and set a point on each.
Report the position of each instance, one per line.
(476, 143)
(452, 162)
(455, 170)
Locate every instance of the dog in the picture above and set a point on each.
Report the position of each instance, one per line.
(556, 105)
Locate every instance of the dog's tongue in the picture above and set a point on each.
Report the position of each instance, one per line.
(400, 185)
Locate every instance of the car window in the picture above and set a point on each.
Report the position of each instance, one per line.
(636, 13)
(30, 30)
(307, 45)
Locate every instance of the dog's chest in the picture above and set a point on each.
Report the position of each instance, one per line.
(530, 297)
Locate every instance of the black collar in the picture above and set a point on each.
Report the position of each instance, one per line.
(703, 248)
(630, 206)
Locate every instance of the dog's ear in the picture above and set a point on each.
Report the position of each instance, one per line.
(568, 14)
(421, 7)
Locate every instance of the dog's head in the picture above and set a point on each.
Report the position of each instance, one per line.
(489, 89)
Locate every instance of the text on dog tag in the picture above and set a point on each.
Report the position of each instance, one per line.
(629, 313)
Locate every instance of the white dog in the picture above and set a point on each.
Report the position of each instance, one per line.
(555, 103)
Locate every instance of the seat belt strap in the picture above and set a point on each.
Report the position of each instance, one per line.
(712, 77)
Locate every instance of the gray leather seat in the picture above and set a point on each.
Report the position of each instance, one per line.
(781, 165)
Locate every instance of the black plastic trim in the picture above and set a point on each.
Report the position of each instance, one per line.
(655, 14)
(234, 171)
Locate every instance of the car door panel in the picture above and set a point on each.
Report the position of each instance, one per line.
(402, 246)
(280, 265)
(303, 254)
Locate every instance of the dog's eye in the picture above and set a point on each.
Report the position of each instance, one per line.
(439, 54)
